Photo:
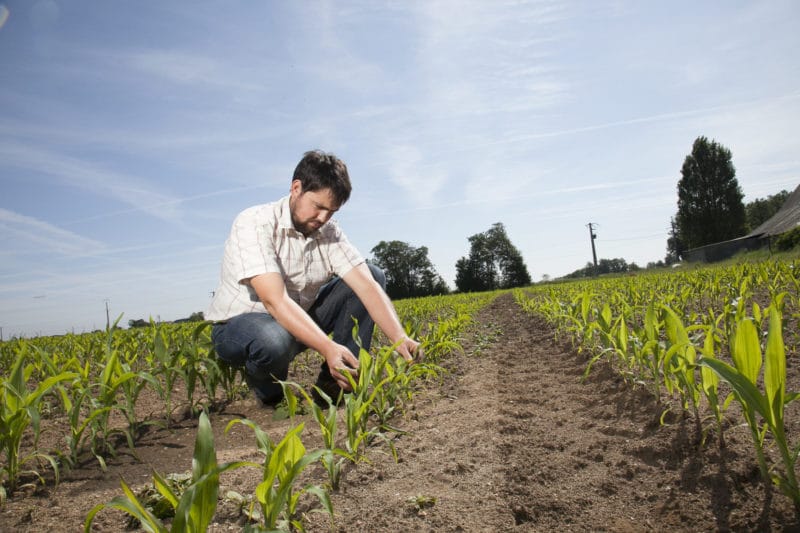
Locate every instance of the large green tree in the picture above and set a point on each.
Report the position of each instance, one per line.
(493, 263)
(710, 207)
(762, 209)
(409, 272)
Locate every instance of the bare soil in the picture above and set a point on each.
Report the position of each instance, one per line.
(510, 440)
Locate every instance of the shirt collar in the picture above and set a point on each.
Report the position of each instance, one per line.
(285, 215)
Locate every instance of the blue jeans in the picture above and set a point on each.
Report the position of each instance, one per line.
(265, 349)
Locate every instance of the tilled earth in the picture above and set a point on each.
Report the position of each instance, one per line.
(510, 440)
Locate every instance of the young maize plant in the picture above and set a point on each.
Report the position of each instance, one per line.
(196, 351)
(114, 377)
(709, 382)
(358, 406)
(131, 390)
(167, 368)
(82, 414)
(613, 341)
(649, 350)
(680, 362)
(19, 409)
(195, 508)
(375, 391)
(440, 339)
(327, 418)
(195, 371)
(770, 404)
(399, 386)
(48, 365)
(276, 494)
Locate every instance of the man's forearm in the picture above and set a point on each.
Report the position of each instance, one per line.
(382, 311)
(375, 299)
(297, 322)
(272, 293)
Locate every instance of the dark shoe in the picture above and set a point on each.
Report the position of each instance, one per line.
(269, 395)
(252, 403)
(328, 385)
(272, 401)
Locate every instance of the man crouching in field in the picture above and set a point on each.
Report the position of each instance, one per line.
(290, 277)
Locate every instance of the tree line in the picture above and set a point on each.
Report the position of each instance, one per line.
(710, 210)
(493, 263)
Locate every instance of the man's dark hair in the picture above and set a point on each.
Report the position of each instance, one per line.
(318, 170)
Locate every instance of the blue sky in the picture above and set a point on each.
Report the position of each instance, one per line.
(131, 133)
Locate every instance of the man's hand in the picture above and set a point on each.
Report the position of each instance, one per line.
(340, 360)
(410, 350)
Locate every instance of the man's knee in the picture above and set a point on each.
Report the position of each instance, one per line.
(378, 274)
(272, 345)
(254, 339)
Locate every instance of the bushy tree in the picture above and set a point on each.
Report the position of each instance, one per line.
(409, 272)
(493, 263)
(617, 265)
(710, 207)
(762, 209)
(655, 264)
(788, 240)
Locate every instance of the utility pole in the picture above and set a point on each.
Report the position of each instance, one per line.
(592, 237)
(108, 318)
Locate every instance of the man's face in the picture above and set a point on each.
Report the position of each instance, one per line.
(310, 209)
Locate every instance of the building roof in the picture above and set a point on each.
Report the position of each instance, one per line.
(787, 218)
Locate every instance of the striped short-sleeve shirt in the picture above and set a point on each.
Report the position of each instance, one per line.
(263, 240)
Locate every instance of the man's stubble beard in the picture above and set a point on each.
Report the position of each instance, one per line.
(303, 227)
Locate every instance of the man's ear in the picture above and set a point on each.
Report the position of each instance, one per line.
(296, 189)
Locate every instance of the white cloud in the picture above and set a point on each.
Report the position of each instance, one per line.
(470, 53)
(420, 181)
(186, 68)
(28, 233)
(74, 172)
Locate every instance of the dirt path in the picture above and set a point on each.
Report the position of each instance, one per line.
(511, 442)
(519, 444)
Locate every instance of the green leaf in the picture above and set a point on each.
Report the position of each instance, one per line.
(199, 502)
(323, 496)
(746, 350)
(746, 391)
(775, 367)
(131, 505)
(163, 488)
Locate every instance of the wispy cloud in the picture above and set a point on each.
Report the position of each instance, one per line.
(469, 65)
(719, 113)
(499, 196)
(74, 172)
(130, 138)
(182, 67)
(420, 185)
(171, 203)
(25, 232)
